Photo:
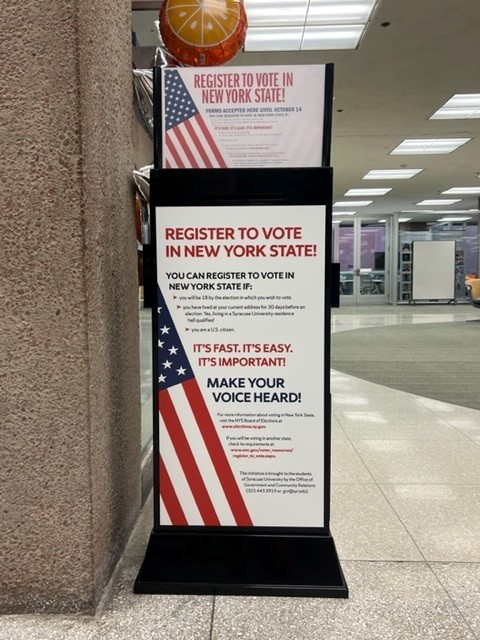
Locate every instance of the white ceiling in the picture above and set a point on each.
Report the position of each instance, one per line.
(385, 92)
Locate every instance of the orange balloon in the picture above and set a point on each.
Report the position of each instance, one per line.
(203, 32)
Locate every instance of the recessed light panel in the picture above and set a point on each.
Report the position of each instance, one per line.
(404, 219)
(422, 211)
(265, 13)
(323, 24)
(274, 39)
(332, 37)
(458, 191)
(353, 203)
(429, 146)
(460, 106)
(339, 11)
(435, 203)
(344, 213)
(453, 219)
(391, 174)
(367, 192)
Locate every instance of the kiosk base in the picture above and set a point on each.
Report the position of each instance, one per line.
(241, 564)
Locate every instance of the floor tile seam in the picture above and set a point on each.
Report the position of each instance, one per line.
(450, 597)
(455, 562)
(51, 617)
(390, 415)
(382, 561)
(402, 561)
(355, 482)
(374, 481)
(341, 427)
(439, 441)
(472, 440)
(418, 400)
(476, 442)
(212, 618)
(428, 444)
(396, 416)
(416, 440)
(443, 440)
(436, 413)
(428, 484)
(409, 534)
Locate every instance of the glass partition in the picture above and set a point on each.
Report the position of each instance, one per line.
(372, 258)
(465, 236)
(360, 246)
(345, 256)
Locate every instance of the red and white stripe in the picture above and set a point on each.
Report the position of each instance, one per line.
(197, 484)
(190, 145)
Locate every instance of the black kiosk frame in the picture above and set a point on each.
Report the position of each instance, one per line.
(239, 560)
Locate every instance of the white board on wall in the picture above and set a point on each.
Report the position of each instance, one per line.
(433, 270)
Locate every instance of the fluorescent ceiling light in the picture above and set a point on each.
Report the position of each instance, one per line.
(429, 146)
(303, 12)
(453, 219)
(280, 13)
(422, 211)
(460, 106)
(344, 213)
(382, 220)
(293, 25)
(367, 192)
(418, 211)
(274, 39)
(391, 174)
(436, 203)
(404, 219)
(310, 38)
(339, 11)
(329, 38)
(458, 191)
(353, 203)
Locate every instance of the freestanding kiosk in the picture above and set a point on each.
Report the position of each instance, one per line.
(241, 367)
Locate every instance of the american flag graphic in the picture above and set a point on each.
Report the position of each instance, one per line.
(189, 144)
(197, 484)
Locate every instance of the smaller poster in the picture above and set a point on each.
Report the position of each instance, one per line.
(234, 117)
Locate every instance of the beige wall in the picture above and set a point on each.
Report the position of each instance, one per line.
(70, 407)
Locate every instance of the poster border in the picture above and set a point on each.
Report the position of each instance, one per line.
(214, 187)
(158, 99)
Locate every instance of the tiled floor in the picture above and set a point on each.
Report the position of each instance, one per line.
(405, 517)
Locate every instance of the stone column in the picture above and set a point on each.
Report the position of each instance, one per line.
(70, 405)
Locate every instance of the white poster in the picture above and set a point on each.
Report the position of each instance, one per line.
(265, 116)
(241, 365)
(433, 270)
